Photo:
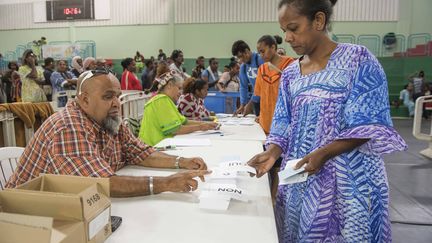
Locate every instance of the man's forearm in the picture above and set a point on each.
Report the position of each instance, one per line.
(159, 160)
(132, 186)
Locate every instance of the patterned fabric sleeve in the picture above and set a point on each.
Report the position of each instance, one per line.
(74, 153)
(134, 151)
(282, 116)
(187, 106)
(203, 110)
(56, 81)
(366, 113)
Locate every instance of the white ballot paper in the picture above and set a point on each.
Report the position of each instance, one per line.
(290, 176)
(220, 173)
(223, 115)
(247, 122)
(236, 121)
(230, 190)
(221, 184)
(237, 166)
(208, 132)
(210, 200)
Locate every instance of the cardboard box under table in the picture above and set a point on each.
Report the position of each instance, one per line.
(77, 208)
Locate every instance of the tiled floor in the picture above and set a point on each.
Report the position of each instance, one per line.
(410, 179)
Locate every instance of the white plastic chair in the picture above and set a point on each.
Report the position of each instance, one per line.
(7, 120)
(70, 94)
(9, 157)
(132, 104)
(418, 115)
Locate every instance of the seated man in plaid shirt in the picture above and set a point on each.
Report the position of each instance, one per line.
(87, 138)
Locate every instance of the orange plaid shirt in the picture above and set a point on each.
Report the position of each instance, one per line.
(70, 143)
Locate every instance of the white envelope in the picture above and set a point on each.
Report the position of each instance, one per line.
(289, 171)
(294, 179)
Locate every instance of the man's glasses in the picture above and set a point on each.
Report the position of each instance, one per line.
(92, 73)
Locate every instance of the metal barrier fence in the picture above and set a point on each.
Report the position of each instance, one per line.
(418, 39)
(346, 39)
(372, 42)
(414, 44)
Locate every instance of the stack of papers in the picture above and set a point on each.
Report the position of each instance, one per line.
(238, 121)
(184, 142)
(221, 185)
(230, 120)
(205, 133)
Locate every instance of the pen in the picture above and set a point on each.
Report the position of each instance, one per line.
(165, 148)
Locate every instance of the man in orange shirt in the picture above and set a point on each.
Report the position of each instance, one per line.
(267, 81)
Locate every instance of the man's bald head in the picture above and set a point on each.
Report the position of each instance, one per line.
(89, 82)
(98, 96)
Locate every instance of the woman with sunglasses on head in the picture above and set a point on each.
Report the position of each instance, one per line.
(267, 80)
(333, 115)
(161, 117)
(32, 79)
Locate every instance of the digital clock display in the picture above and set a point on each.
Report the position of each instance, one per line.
(70, 9)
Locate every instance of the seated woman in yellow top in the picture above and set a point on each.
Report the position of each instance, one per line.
(161, 117)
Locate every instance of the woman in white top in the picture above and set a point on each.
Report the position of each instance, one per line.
(229, 81)
(176, 66)
(406, 95)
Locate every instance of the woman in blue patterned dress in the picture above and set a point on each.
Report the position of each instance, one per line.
(333, 112)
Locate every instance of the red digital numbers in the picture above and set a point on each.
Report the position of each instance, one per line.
(71, 11)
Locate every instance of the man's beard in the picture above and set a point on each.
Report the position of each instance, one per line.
(112, 124)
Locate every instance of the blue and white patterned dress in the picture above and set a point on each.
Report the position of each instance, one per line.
(348, 199)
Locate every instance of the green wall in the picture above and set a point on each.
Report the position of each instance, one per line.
(124, 41)
(399, 69)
